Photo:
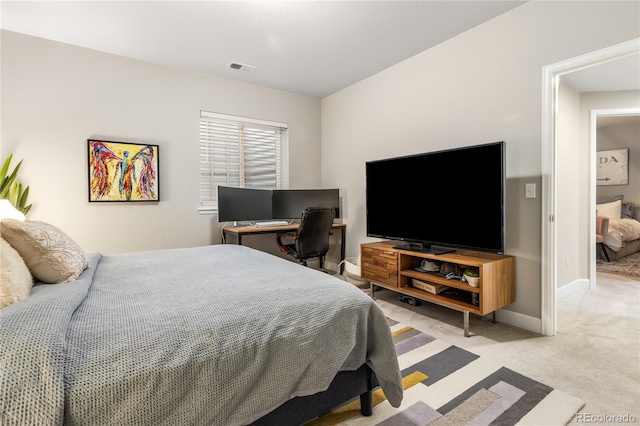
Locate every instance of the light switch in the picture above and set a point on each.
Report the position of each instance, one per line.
(530, 190)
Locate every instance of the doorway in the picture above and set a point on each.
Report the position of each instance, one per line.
(598, 119)
(551, 77)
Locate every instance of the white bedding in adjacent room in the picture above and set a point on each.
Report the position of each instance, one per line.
(622, 231)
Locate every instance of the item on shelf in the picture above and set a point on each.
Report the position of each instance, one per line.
(410, 300)
(431, 288)
(472, 276)
(447, 268)
(453, 276)
(430, 266)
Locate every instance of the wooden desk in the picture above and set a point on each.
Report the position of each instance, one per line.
(240, 231)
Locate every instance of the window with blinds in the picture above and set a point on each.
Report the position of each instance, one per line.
(240, 152)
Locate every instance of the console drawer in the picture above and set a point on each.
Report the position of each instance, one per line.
(379, 265)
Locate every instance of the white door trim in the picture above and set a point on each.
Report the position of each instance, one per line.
(551, 76)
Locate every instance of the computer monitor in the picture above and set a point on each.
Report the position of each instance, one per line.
(238, 204)
(289, 203)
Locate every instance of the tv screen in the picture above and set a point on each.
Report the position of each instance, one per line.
(289, 203)
(452, 198)
(237, 204)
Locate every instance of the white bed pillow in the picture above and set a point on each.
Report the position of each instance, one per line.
(610, 210)
(51, 255)
(14, 275)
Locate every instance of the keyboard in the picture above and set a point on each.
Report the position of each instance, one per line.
(272, 223)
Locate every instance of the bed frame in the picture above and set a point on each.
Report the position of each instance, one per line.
(628, 248)
(345, 387)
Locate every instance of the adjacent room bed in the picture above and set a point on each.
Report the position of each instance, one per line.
(623, 236)
(216, 335)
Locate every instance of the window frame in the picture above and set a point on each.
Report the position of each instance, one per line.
(281, 155)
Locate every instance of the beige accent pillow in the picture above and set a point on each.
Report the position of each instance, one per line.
(15, 279)
(50, 254)
(611, 210)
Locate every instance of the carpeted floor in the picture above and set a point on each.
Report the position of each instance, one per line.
(628, 266)
(447, 385)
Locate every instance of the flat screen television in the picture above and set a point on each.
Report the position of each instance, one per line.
(439, 201)
(289, 203)
(242, 204)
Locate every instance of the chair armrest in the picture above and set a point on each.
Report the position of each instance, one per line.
(281, 244)
(602, 225)
(287, 235)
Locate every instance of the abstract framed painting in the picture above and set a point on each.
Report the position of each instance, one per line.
(123, 171)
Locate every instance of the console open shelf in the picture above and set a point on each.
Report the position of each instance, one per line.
(394, 269)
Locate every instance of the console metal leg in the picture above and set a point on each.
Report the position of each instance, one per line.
(466, 323)
(371, 290)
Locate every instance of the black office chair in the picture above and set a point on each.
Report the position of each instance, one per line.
(312, 236)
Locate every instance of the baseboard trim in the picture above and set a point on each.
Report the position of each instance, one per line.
(533, 324)
(571, 288)
(519, 320)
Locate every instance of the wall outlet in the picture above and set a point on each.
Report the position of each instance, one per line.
(530, 190)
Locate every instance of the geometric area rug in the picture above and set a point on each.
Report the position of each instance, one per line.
(449, 386)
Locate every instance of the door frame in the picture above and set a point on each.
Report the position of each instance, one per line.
(551, 78)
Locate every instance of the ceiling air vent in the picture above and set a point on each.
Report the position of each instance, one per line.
(241, 67)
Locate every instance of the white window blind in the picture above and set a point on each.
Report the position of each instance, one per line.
(240, 152)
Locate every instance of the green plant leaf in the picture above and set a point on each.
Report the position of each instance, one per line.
(11, 189)
(7, 181)
(5, 167)
(23, 198)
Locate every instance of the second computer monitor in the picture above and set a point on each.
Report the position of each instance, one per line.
(289, 203)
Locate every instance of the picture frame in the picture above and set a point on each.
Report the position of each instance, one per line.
(123, 171)
(613, 167)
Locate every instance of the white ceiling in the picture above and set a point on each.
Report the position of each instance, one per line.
(313, 48)
(618, 120)
(619, 74)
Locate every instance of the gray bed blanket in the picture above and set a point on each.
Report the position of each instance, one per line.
(216, 335)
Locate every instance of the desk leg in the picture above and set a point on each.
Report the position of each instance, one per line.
(343, 235)
(225, 236)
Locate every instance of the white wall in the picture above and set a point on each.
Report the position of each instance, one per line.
(56, 96)
(569, 157)
(484, 85)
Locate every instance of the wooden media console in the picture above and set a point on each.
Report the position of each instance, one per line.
(395, 269)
